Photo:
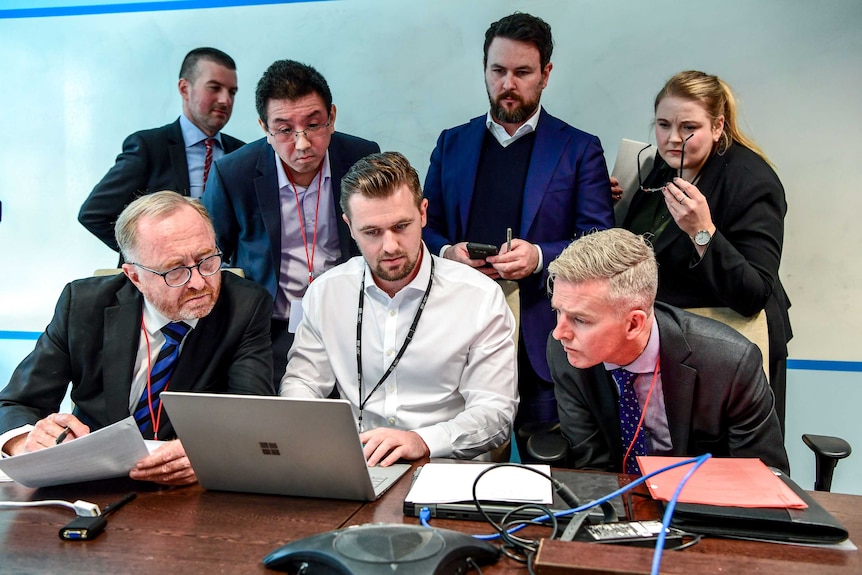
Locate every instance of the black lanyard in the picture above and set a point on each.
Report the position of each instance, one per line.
(407, 340)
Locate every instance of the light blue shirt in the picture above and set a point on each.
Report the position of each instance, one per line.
(196, 152)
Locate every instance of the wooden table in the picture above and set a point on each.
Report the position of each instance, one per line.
(184, 530)
(190, 531)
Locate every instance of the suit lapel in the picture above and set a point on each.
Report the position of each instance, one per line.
(547, 149)
(179, 162)
(266, 188)
(119, 350)
(677, 380)
(466, 168)
(338, 167)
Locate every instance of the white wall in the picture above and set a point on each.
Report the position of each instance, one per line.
(73, 87)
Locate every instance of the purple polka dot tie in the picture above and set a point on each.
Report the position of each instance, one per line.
(630, 415)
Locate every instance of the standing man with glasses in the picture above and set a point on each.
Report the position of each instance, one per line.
(176, 323)
(176, 156)
(275, 205)
(518, 168)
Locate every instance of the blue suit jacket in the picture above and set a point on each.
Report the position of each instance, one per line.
(567, 194)
(242, 199)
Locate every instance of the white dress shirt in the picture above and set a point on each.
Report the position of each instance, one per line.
(456, 384)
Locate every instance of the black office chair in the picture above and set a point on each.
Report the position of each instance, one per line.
(546, 443)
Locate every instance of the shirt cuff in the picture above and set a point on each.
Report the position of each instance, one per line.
(443, 250)
(437, 439)
(540, 266)
(12, 434)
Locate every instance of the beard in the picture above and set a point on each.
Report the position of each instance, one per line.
(399, 273)
(517, 115)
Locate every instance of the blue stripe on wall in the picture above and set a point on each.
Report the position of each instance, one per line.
(114, 8)
(798, 364)
(23, 335)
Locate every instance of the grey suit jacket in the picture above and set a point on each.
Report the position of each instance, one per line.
(92, 342)
(716, 397)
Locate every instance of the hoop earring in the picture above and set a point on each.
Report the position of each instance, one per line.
(723, 144)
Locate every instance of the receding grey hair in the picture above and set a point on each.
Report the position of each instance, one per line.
(625, 259)
(158, 204)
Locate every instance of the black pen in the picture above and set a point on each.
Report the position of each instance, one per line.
(111, 507)
(63, 435)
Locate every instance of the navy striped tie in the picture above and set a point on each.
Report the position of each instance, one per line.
(160, 376)
(630, 414)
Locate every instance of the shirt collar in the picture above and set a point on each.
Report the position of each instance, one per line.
(503, 137)
(155, 320)
(283, 180)
(647, 360)
(193, 135)
(418, 283)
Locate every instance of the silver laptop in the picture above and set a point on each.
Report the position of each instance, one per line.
(280, 445)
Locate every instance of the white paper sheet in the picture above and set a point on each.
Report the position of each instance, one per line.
(453, 482)
(109, 452)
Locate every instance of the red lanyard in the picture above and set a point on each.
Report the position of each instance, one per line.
(308, 261)
(643, 411)
(154, 417)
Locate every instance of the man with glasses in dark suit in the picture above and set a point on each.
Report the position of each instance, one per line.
(172, 320)
(274, 203)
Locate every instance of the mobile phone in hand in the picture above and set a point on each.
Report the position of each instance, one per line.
(478, 251)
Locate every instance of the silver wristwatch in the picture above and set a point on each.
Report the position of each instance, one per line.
(702, 237)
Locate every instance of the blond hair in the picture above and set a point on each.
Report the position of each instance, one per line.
(626, 260)
(378, 176)
(717, 99)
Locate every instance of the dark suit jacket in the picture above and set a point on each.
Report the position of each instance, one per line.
(739, 269)
(716, 397)
(567, 193)
(242, 199)
(92, 342)
(151, 161)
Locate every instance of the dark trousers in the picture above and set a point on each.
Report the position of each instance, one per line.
(281, 342)
(538, 404)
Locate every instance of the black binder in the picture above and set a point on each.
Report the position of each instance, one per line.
(811, 525)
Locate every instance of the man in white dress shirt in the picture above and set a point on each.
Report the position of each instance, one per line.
(422, 347)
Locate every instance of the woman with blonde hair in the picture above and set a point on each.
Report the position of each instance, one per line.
(713, 208)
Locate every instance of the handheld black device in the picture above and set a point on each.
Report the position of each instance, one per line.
(478, 251)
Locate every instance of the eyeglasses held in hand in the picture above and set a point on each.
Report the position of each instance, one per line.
(180, 275)
(679, 171)
(310, 132)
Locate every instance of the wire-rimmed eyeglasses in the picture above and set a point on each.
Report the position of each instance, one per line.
(180, 275)
(679, 171)
(310, 132)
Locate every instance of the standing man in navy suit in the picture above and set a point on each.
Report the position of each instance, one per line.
(519, 168)
(275, 203)
(172, 157)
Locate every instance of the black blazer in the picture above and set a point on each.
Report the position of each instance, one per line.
(151, 161)
(716, 397)
(92, 342)
(739, 269)
(242, 199)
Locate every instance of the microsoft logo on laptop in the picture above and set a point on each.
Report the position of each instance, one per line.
(269, 448)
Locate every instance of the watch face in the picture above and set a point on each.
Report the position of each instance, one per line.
(702, 238)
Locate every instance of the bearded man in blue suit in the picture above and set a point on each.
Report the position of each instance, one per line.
(519, 168)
